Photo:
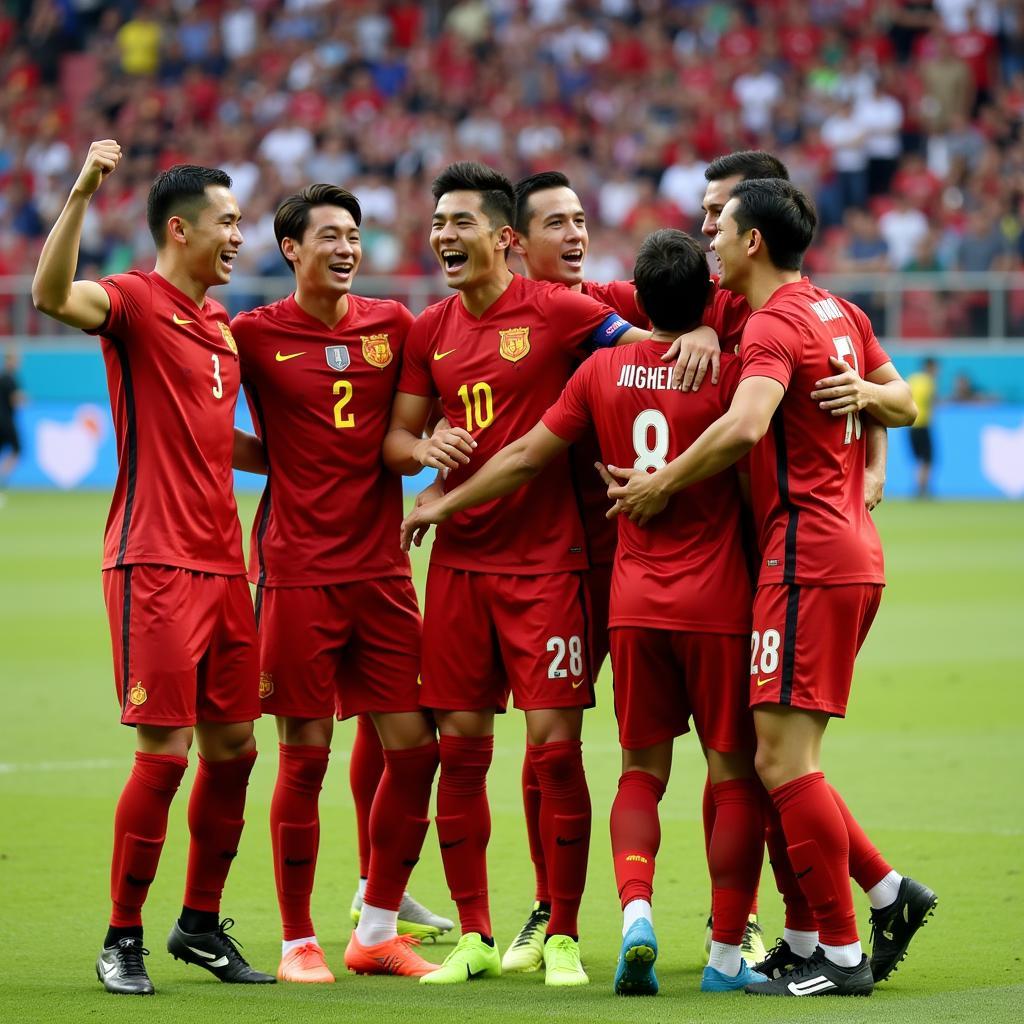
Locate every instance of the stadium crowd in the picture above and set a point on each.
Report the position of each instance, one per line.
(901, 117)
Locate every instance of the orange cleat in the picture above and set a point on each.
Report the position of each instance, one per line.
(305, 963)
(393, 956)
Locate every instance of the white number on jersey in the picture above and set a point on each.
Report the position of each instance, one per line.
(768, 642)
(650, 456)
(218, 384)
(844, 348)
(557, 646)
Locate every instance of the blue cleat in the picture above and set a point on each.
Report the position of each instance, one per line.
(713, 980)
(634, 975)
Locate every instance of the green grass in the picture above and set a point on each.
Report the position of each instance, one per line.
(929, 760)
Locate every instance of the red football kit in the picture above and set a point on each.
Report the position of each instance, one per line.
(495, 376)
(680, 600)
(338, 621)
(183, 640)
(821, 568)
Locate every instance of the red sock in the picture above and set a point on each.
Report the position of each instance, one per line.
(464, 826)
(867, 866)
(531, 810)
(295, 833)
(737, 850)
(140, 826)
(398, 822)
(365, 767)
(707, 811)
(799, 916)
(215, 822)
(636, 834)
(564, 827)
(819, 850)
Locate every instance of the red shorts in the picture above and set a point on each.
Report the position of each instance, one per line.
(805, 641)
(486, 635)
(662, 678)
(184, 645)
(599, 588)
(345, 649)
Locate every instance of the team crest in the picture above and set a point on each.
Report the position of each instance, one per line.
(266, 685)
(515, 343)
(137, 694)
(337, 359)
(229, 339)
(377, 350)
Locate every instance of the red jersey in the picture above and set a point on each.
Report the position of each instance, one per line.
(807, 472)
(495, 376)
(686, 569)
(726, 312)
(321, 401)
(172, 373)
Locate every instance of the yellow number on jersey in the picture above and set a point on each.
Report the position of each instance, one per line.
(343, 388)
(479, 407)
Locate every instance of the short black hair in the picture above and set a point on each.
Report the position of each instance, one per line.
(783, 214)
(497, 196)
(292, 217)
(672, 279)
(525, 187)
(747, 163)
(180, 191)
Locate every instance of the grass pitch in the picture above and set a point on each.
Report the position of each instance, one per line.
(928, 760)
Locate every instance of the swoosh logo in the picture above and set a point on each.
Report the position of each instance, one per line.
(806, 871)
(291, 355)
(441, 355)
(568, 842)
(576, 685)
(215, 961)
(765, 682)
(294, 862)
(180, 321)
(470, 975)
(108, 969)
(454, 842)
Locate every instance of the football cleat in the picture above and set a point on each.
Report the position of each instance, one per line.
(634, 974)
(778, 960)
(471, 958)
(413, 918)
(752, 945)
(562, 964)
(817, 976)
(121, 969)
(216, 952)
(713, 980)
(392, 956)
(305, 964)
(527, 950)
(894, 926)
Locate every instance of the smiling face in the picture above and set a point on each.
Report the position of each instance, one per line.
(555, 244)
(327, 256)
(731, 249)
(212, 237)
(716, 195)
(470, 249)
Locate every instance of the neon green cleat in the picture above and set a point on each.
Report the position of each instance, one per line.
(472, 958)
(527, 950)
(752, 946)
(413, 919)
(562, 964)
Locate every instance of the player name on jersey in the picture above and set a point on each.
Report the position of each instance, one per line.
(649, 378)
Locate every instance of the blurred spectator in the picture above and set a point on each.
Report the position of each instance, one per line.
(903, 227)
(923, 388)
(948, 83)
(964, 390)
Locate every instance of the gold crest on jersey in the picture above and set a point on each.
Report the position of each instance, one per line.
(515, 343)
(266, 685)
(377, 350)
(137, 694)
(228, 337)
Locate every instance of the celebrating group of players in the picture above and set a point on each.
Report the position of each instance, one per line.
(541, 400)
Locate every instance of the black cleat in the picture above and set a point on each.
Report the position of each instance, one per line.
(121, 969)
(816, 976)
(217, 952)
(780, 960)
(894, 926)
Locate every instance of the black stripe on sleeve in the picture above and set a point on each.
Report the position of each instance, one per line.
(131, 453)
(789, 644)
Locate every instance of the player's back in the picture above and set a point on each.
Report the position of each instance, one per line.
(807, 473)
(684, 570)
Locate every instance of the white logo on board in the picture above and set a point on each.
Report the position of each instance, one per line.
(67, 451)
(1002, 458)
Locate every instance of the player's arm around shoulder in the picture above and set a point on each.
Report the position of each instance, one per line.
(883, 393)
(81, 304)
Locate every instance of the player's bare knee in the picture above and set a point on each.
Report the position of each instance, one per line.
(224, 741)
(728, 765)
(404, 730)
(173, 741)
(655, 760)
(305, 732)
(554, 725)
